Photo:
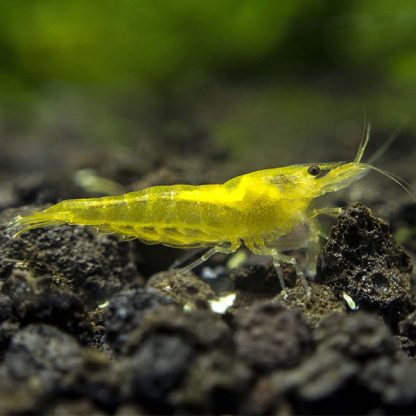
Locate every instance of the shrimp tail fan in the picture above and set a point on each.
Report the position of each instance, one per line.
(37, 219)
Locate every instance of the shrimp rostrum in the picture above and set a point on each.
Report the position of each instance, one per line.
(256, 210)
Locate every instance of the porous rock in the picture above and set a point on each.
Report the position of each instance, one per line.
(407, 327)
(316, 304)
(125, 313)
(156, 368)
(21, 398)
(93, 265)
(362, 259)
(183, 288)
(355, 368)
(9, 323)
(98, 380)
(360, 336)
(41, 351)
(269, 336)
(79, 407)
(393, 379)
(216, 384)
(307, 388)
(202, 329)
(407, 334)
(32, 303)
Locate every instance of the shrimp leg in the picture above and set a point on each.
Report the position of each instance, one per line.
(313, 246)
(278, 258)
(331, 211)
(315, 233)
(206, 256)
(183, 259)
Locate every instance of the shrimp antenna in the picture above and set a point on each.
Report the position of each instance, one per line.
(363, 143)
(393, 136)
(411, 190)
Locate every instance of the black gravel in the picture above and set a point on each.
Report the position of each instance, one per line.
(83, 330)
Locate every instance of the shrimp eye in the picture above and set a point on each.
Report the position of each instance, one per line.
(314, 170)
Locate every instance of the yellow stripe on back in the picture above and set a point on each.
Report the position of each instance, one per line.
(221, 194)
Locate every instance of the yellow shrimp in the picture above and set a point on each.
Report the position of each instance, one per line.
(256, 209)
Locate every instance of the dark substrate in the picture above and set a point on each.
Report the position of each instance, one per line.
(85, 328)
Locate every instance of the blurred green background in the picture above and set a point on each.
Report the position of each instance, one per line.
(256, 83)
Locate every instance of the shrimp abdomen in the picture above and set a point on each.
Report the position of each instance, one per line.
(154, 215)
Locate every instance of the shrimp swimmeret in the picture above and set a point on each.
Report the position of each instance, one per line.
(257, 209)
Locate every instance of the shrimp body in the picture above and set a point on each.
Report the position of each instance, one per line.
(257, 209)
(245, 208)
